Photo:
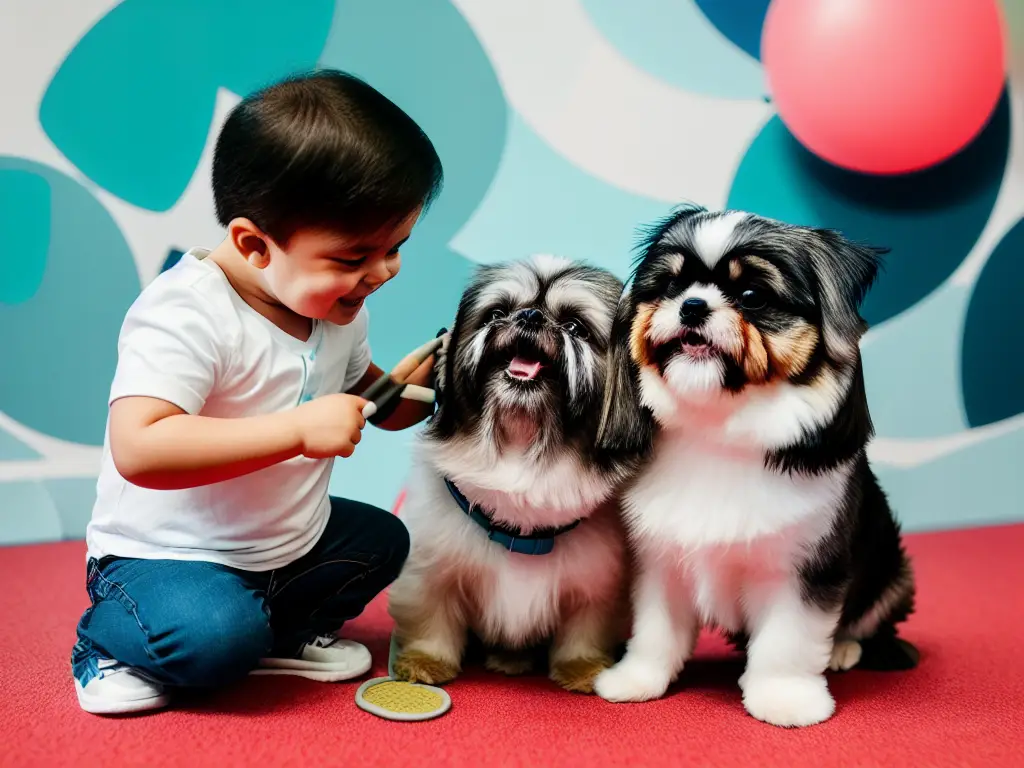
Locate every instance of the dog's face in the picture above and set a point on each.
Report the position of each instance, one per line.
(526, 360)
(723, 303)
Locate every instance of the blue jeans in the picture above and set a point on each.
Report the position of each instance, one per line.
(199, 624)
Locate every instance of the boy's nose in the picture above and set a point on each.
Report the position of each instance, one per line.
(382, 271)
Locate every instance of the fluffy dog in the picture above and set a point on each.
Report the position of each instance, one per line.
(516, 533)
(737, 368)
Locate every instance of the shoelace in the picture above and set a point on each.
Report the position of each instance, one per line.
(111, 667)
(324, 641)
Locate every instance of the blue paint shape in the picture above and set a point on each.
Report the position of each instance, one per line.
(24, 234)
(173, 257)
(993, 366)
(12, 449)
(978, 485)
(741, 21)
(677, 43)
(58, 366)
(917, 394)
(542, 203)
(27, 514)
(929, 219)
(443, 80)
(131, 104)
(73, 498)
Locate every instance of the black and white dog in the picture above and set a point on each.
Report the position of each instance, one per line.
(736, 367)
(515, 527)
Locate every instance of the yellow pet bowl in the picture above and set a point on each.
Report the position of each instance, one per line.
(396, 700)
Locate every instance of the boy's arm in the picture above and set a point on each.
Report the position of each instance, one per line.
(157, 445)
(409, 412)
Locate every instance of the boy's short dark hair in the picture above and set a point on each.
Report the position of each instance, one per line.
(322, 149)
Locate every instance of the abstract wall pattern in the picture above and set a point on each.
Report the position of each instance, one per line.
(562, 125)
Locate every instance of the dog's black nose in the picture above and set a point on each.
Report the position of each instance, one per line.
(694, 311)
(530, 316)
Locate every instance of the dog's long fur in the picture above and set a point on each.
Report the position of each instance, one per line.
(523, 450)
(757, 511)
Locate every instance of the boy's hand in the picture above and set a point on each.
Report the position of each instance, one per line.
(408, 372)
(330, 426)
(422, 375)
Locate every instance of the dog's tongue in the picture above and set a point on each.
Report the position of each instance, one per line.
(522, 368)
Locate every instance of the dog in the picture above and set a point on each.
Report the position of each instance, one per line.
(517, 538)
(736, 370)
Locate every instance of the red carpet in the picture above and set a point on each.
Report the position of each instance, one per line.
(963, 706)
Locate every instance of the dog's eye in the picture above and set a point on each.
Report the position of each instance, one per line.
(752, 299)
(575, 328)
(497, 314)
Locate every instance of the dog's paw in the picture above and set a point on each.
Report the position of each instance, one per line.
(632, 680)
(845, 655)
(578, 675)
(419, 667)
(788, 701)
(509, 662)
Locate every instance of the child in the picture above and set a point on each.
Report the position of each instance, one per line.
(214, 549)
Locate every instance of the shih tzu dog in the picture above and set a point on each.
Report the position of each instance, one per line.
(736, 368)
(516, 532)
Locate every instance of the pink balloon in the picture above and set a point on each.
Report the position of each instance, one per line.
(884, 86)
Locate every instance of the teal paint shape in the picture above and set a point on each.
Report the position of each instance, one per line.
(425, 58)
(676, 42)
(24, 234)
(993, 336)
(377, 471)
(981, 484)
(741, 21)
(542, 203)
(131, 104)
(12, 449)
(27, 514)
(73, 498)
(59, 348)
(931, 219)
(912, 368)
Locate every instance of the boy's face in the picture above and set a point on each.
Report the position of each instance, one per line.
(327, 275)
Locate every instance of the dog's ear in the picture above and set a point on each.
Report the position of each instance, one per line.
(443, 423)
(440, 365)
(845, 271)
(626, 426)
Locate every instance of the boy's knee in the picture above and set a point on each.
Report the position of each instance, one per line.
(219, 647)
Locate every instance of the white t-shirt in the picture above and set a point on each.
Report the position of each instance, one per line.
(191, 340)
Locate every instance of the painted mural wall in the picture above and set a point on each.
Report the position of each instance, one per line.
(562, 125)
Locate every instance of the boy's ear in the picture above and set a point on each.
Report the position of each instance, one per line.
(627, 427)
(250, 241)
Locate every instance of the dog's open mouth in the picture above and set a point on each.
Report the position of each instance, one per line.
(523, 368)
(527, 362)
(690, 343)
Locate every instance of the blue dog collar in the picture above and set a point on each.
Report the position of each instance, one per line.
(538, 542)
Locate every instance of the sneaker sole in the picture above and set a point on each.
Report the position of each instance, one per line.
(311, 670)
(96, 705)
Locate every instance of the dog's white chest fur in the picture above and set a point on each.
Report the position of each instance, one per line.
(508, 598)
(726, 522)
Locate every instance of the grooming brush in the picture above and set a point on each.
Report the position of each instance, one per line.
(386, 392)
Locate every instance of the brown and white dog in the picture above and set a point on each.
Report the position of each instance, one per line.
(737, 369)
(507, 470)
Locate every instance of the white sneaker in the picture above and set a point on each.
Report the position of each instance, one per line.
(328, 659)
(119, 689)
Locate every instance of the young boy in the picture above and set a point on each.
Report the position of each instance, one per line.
(214, 549)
